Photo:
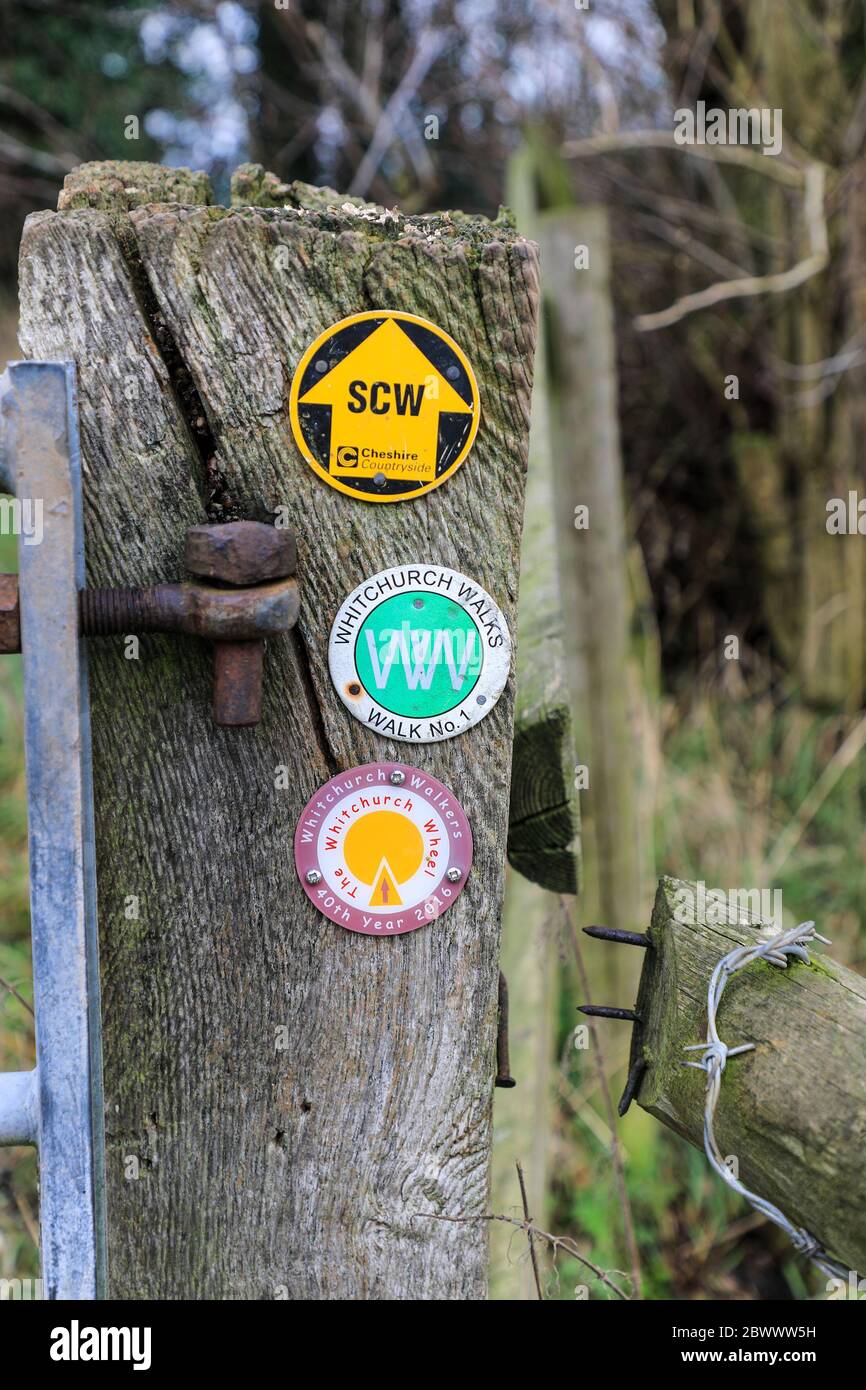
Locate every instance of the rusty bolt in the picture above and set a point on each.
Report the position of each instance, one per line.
(237, 683)
(241, 552)
(235, 620)
(10, 625)
(222, 615)
(256, 558)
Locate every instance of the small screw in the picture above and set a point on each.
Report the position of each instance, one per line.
(321, 365)
(398, 777)
(454, 875)
(379, 479)
(313, 876)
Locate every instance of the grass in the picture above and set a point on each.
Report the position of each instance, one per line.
(735, 774)
(735, 777)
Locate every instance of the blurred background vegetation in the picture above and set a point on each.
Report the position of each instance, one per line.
(424, 104)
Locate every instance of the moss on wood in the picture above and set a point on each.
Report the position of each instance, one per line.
(793, 1111)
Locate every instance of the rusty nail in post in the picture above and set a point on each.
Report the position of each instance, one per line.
(632, 1085)
(604, 1011)
(624, 938)
(503, 1062)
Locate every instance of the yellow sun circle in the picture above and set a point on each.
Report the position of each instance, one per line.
(383, 835)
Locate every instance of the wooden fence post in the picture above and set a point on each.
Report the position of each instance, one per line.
(575, 260)
(793, 1111)
(544, 836)
(289, 1105)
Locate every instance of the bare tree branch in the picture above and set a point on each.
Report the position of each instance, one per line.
(770, 167)
(4, 984)
(62, 139)
(528, 1220)
(688, 244)
(347, 81)
(557, 1242)
(813, 264)
(19, 153)
(430, 45)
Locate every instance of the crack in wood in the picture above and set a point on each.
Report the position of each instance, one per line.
(316, 716)
(210, 482)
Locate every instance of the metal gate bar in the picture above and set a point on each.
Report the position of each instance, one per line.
(58, 1106)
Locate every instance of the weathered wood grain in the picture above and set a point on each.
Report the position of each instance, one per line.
(793, 1112)
(522, 1117)
(298, 1102)
(543, 836)
(544, 820)
(595, 583)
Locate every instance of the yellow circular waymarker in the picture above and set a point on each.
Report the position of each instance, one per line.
(384, 406)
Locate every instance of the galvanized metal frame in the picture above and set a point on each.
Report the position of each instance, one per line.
(58, 1106)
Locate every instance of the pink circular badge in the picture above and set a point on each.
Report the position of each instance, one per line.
(383, 849)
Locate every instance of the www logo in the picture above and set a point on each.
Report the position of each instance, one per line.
(421, 655)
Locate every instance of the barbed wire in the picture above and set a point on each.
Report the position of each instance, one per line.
(792, 942)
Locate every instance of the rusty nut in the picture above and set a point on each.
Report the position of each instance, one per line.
(241, 552)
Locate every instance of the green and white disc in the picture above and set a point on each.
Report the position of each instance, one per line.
(419, 653)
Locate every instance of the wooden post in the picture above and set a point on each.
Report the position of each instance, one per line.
(523, 1117)
(793, 1111)
(543, 841)
(289, 1106)
(575, 269)
(544, 838)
